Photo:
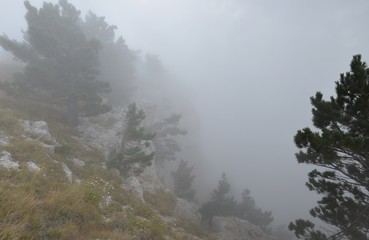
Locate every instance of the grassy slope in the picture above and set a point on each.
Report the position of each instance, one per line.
(44, 205)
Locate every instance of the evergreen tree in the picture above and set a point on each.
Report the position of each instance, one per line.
(61, 62)
(340, 148)
(116, 59)
(183, 179)
(221, 203)
(165, 141)
(132, 157)
(247, 210)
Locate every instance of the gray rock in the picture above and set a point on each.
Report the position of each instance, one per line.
(39, 130)
(67, 172)
(78, 162)
(4, 140)
(133, 185)
(98, 134)
(33, 167)
(7, 162)
(187, 210)
(237, 229)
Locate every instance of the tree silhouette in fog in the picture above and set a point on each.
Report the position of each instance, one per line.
(340, 149)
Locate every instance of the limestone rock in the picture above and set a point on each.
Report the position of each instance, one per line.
(104, 131)
(187, 210)
(39, 130)
(237, 229)
(7, 162)
(133, 185)
(67, 172)
(4, 140)
(78, 162)
(33, 167)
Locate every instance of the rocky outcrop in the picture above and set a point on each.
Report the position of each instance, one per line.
(187, 210)
(6, 161)
(237, 229)
(39, 130)
(103, 132)
(133, 185)
(32, 167)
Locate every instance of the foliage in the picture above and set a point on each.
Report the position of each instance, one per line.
(247, 210)
(62, 63)
(341, 151)
(116, 59)
(131, 157)
(183, 179)
(221, 203)
(165, 139)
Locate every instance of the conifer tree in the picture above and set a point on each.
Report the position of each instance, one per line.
(221, 202)
(132, 158)
(247, 210)
(339, 148)
(61, 62)
(183, 179)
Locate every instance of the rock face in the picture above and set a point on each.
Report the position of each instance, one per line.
(133, 185)
(104, 132)
(187, 210)
(39, 130)
(237, 229)
(7, 162)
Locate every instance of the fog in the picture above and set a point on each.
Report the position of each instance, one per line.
(248, 69)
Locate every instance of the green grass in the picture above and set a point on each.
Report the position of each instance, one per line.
(44, 205)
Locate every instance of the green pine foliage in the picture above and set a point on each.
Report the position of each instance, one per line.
(340, 149)
(61, 62)
(222, 203)
(131, 158)
(165, 141)
(183, 179)
(248, 210)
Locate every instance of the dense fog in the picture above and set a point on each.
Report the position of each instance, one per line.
(245, 71)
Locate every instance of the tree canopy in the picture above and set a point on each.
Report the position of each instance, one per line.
(183, 179)
(132, 157)
(339, 148)
(61, 61)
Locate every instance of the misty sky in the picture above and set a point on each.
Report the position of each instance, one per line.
(249, 68)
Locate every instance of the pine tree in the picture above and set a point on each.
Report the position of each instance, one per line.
(132, 158)
(165, 140)
(116, 59)
(183, 179)
(247, 210)
(61, 62)
(340, 150)
(221, 202)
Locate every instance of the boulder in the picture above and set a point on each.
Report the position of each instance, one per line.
(187, 210)
(39, 130)
(237, 229)
(33, 167)
(133, 185)
(7, 162)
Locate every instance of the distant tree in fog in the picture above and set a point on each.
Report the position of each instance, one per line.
(340, 148)
(221, 202)
(132, 158)
(183, 179)
(116, 59)
(224, 204)
(62, 63)
(248, 210)
(165, 141)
